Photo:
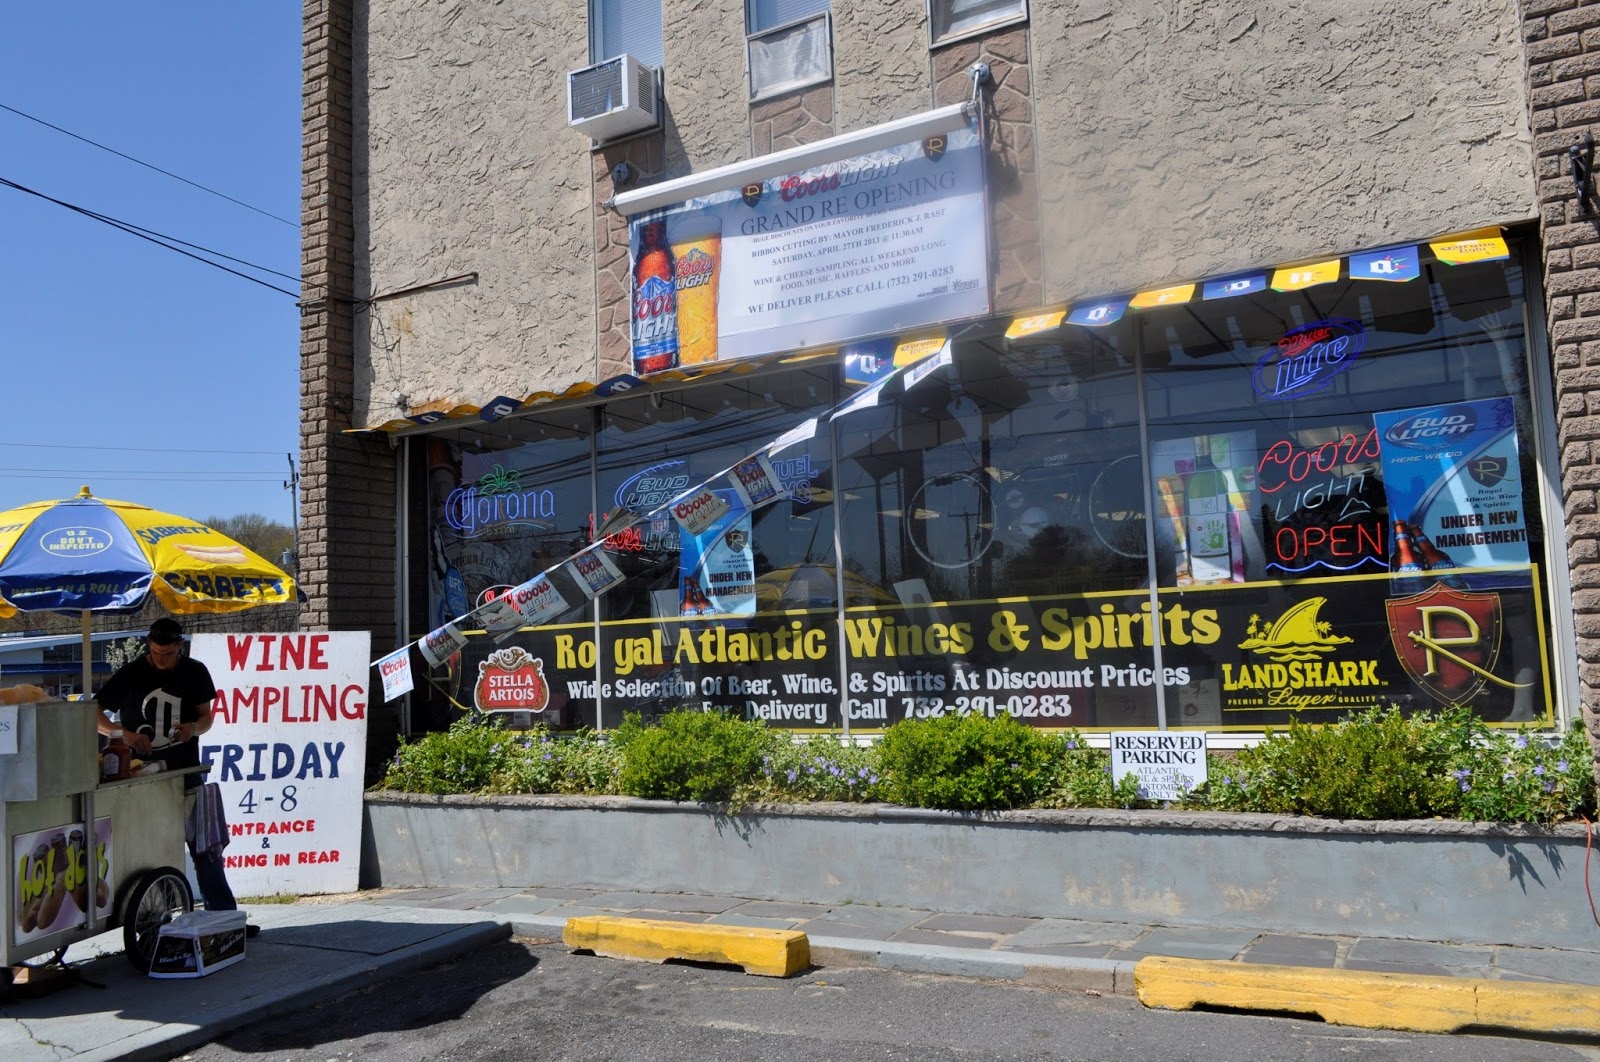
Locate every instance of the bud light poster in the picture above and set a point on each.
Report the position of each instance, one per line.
(716, 568)
(1452, 478)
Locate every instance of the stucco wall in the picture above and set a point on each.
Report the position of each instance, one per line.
(706, 90)
(880, 62)
(1180, 138)
(469, 166)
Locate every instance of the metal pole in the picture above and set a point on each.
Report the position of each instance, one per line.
(88, 657)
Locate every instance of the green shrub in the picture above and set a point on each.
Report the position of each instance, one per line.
(1515, 778)
(581, 763)
(821, 768)
(1377, 764)
(692, 755)
(965, 762)
(1079, 776)
(462, 759)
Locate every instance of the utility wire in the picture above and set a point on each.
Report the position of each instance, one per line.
(228, 257)
(134, 230)
(141, 449)
(141, 477)
(139, 471)
(148, 166)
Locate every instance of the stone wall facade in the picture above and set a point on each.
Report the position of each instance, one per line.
(348, 525)
(1562, 45)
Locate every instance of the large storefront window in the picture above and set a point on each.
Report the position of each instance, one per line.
(725, 616)
(505, 501)
(985, 505)
(1251, 506)
(1345, 479)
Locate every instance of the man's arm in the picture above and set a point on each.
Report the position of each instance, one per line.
(202, 723)
(109, 699)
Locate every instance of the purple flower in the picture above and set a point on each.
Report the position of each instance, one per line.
(792, 775)
(1539, 769)
(1562, 765)
(1071, 744)
(1462, 774)
(1549, 787)
(1521, 742)
(1465, 785)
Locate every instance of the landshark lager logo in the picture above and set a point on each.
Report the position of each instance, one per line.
(1448, 641)
(1297, 635)
(1297, 644)
(510, 680)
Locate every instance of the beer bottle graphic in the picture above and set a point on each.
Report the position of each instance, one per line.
(655, 302)
(1206, 498)
(1405, 571)
(1434, 559)
(689, 604)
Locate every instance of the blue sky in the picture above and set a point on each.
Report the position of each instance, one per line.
(146, 375)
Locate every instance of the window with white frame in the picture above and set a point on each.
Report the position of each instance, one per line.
(790, 45)
(948, 19)
(625, 27)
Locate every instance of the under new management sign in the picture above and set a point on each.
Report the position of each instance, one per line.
(882, 242)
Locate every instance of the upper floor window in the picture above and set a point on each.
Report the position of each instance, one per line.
(625, 27)
(790, 45)
(762, 15)
(948, 19)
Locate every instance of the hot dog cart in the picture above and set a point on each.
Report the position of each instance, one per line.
(85, 855)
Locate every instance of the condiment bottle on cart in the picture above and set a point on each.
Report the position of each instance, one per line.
(116, 762)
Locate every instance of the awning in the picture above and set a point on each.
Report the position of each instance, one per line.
(1393, 264)
(865, 360)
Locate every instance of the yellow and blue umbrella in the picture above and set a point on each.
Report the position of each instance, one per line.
(88, 554)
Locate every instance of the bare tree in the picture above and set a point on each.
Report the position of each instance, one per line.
(255, 532)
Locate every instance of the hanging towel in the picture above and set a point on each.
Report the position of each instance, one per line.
(207, 828)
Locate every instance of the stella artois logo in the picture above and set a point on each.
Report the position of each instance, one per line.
(511, 681)
(1448, 641)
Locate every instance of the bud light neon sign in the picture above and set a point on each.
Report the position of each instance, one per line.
(1307, 359)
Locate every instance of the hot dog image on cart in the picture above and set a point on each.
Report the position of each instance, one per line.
(95, 840)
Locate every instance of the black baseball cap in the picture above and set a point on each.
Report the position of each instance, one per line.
(166, 631)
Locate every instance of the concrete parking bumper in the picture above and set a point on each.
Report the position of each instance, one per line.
(1372, 1000)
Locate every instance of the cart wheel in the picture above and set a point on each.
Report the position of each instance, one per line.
(153, 900)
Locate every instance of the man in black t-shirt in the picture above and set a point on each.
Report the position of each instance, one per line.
(161, 701)
(162, 704)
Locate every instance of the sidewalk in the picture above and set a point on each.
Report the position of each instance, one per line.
(1002, 947)
(312, 950)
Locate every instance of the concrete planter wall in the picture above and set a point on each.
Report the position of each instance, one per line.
(1428, 880)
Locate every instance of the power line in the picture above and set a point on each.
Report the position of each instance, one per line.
(137, 471)
(142, 449)
(148, 166)
(143, 234)
(152, 477)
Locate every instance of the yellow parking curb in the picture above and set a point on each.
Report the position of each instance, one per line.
(768, 952)
(1370, 1000)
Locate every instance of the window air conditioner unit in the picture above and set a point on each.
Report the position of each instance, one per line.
(614, 98)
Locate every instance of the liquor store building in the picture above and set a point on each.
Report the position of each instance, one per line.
(1003, 385)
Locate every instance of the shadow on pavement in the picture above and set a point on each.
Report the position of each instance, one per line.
(454, 986)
